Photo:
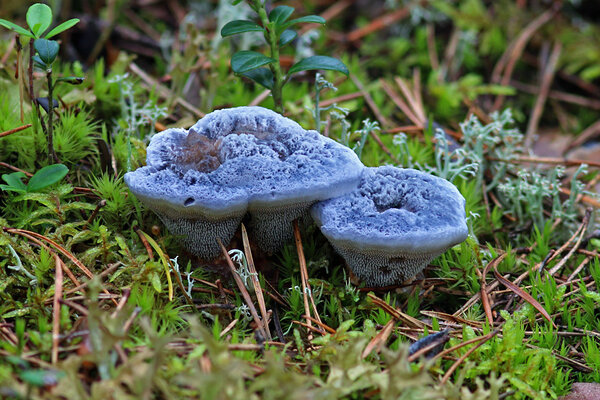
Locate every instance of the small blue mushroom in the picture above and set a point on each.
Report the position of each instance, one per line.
(393, 224)
(202, 182)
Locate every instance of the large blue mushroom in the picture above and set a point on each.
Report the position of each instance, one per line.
(393, 224)
(203, 181)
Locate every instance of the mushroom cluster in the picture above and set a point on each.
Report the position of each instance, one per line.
(394, 223)
(387, 222)
(242, 160)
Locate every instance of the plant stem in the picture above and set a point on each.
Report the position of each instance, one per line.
(34, 103)
(50, 132)
(19, 75)
(317, 110)
(30, 73)
(273, 39)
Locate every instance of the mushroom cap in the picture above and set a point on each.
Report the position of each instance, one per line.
(395, 211)
(264, 160)
(242, 159)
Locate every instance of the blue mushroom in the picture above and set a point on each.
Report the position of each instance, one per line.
(393, 224)
(235, 161)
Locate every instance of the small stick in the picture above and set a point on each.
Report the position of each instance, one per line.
(333, 11)
(411, 98)
(15, 130)
(560, 96)
(228, 328)
(41, 244)
(144, 242)
(306, 289)
(100, 204)
(72, 304)
(260, 98)
(581, 231)
(107, 271)
(58, 286)
(74, 260)
(431, 50)
(379, 339)
(397, 314)
(255, 282)
(513, 53)
(382, 120)
(341, 99)
(13, 168)
(401, 104)
(321, 324)
(449, 55)
(243, 290)
(310, 328)
(547, 79)
(378, 23)
(585, 135)
(58, 247)
(423, 351)
(548, 160)
(578, 269)
(458, 346)
(418, 105)
(484, 290)
(482, 341)
(122, 302)
(130, 320)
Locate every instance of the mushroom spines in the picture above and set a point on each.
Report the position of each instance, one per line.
(199, 235)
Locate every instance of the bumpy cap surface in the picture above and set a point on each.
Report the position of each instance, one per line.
(399, 217)
(241, 159)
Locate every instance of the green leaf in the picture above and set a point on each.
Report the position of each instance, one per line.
(39, 18)
(47, 176)
(319, 62)
(287, 36)
(280, 14)
(15, 184)
(62, 27)
(38, 63)
(262, 76)
(47, 50)
(309, 18)
(244, 61)
(16, 28)
(240, 26)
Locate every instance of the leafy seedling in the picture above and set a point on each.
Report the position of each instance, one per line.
(43, 178)
(276, 28)
(39, 19)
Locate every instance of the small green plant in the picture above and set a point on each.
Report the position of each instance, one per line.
(39, 19)
(321, 84)
(43, 178)
(275, 27)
